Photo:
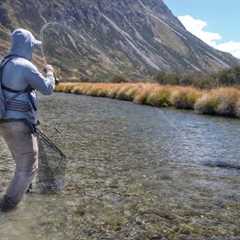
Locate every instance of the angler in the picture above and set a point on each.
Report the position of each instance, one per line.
(20, 79)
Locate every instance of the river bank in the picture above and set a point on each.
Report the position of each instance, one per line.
(133, 173)
(224, 101)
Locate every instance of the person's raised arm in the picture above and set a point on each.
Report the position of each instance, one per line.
(44, 84)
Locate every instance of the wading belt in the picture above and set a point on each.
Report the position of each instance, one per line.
(18, 105)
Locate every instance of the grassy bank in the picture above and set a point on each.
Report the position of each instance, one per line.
(220, 101)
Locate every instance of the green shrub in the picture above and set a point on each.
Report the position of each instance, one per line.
(119, 79)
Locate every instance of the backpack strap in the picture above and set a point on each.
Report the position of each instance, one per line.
(28, 89)
(4, 62)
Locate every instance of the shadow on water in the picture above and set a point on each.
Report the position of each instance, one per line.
(222, 165)
(133, 172)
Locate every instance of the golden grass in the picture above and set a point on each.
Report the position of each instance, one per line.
(221, 101)
(159, 97)
(185, 97)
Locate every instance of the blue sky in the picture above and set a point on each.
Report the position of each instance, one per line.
(214, 21)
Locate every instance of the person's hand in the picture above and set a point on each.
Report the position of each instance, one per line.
(48, 69)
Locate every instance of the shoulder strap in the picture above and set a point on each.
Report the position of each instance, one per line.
(6, 59)
(4, 62)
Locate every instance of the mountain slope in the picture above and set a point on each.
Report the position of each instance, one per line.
(97, 39)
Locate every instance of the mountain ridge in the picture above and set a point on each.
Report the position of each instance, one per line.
(98, 39)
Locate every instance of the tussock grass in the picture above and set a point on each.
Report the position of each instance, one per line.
(141, 94)
(207, 104)
(159, 97)
(237, 109)
(220, 101)
(185, 97)
(122, 93)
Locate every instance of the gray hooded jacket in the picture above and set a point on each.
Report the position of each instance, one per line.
(20, 73)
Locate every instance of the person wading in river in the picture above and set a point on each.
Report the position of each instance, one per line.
(19, 81)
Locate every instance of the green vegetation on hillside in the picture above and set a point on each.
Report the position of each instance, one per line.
(229, 77)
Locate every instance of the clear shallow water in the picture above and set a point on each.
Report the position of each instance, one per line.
(133, 172)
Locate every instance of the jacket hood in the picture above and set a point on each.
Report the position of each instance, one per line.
(23, 43)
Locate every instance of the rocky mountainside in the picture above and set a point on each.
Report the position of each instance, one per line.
(98, 39)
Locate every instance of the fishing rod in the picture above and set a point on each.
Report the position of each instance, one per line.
(38, 131)
(43, 137)
(42, 39)
(42, 47)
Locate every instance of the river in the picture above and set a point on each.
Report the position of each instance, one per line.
(133, 172)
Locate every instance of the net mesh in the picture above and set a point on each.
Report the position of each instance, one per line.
(52, 165)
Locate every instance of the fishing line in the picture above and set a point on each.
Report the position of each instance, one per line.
(48, 24)
(166, 116)
(42, 39)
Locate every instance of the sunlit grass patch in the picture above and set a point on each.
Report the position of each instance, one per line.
(207, 104)
(142, 94)
(113, 90)
(122, 92)
(185, 97)
(159, 97)
(221, 101)
(95, 91)
(131, 92)
(228, 100)
(66, 87)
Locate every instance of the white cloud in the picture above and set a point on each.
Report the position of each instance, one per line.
(231, 47)
(197, 27)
